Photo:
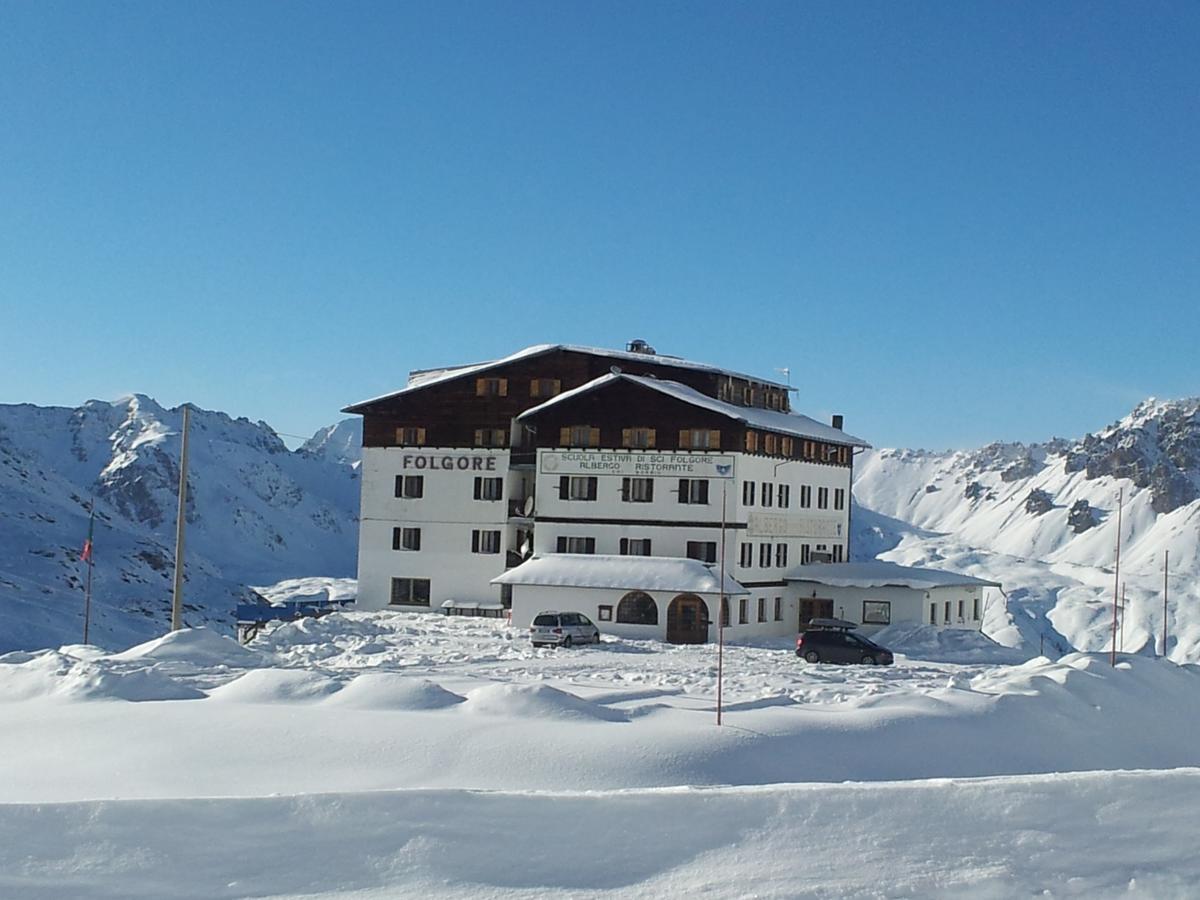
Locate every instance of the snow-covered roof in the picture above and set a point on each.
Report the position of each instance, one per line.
(423, 379)
(877, 573)
(765, 419)
(642, 573)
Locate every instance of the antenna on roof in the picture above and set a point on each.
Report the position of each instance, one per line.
(786, 372)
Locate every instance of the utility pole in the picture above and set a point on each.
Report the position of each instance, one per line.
(1116, 578)
(721, 605)
(1166, 558)
(177, 592)
(88, 559)
(1122, 617)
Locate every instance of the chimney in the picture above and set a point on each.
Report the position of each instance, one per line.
(837, 422)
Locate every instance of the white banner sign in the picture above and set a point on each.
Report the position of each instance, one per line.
(776, 525)
(638, 465)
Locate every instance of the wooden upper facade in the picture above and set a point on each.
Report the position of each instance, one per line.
(478, 406)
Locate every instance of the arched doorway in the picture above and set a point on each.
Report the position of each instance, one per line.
(687, 620)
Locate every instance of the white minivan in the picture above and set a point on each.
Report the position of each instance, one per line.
(562, 629)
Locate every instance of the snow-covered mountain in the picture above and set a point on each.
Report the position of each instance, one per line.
(340, 443)
(257, 513)
(1043, 519)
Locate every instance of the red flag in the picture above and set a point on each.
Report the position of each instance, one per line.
(86, 555)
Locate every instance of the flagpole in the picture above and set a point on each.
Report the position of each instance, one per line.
(177, 591)
(89, 558)
(721, 607)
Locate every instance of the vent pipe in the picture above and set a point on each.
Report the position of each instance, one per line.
(837, 422)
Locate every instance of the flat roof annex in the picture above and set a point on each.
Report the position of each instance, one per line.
(878, 573)
(422, 379)
(765, 419)
(628, 573)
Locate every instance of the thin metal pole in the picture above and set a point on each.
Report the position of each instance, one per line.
(721, 607)
(177, 592)
(1123, 617)
(1116, 578)
(91, 555)
(1166, 559)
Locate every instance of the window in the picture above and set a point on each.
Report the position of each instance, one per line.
(705, 551)
(743, 611)
(490, 437)
(837, 552)
(822, 498)
(410, 486)
(787, 446)
(946, 614)
(751, 441)
(635, 547)
(768, 493)
(485, 541)
(932, 613)
(781, 555)
(604, 613)
(843, 455)
(828, 453)
(747, 493)
(489, 488)
(784, 496)
(805, 496)
(699, 439)
(976, 608)
(544, 387)
(693, 490)
(771, 444)
(805, 554)
(637, 608)
(810, 449)
(410, 436)
(406, 538)
(764, 555)
(637, 437)
(724, 613)
(839, 498)
(491, 387)
(876, 612)
(579, 436)
(577, 487)
(746, 559)
(961, 611)
(410, 591)
(637, 490)
(778, 609)
(575, 545)
(762, 609)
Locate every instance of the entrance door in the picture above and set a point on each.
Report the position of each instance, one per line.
(687, 620)
(815, 609)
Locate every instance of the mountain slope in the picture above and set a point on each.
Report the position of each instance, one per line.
(1043, 518)
(257, 513)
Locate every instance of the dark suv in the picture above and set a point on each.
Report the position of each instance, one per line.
(831, 640)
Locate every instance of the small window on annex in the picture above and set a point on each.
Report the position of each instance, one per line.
(705, 551)
(410, 592)
(637, 608)
(876, 612)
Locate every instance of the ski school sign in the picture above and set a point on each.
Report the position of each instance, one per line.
(643, 465)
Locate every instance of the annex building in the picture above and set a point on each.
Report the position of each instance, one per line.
(610, 483)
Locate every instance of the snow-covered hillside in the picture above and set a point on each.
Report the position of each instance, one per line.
(1042, 518)
(257, 513)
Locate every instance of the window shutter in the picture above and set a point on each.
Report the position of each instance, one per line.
(478, 488)
(683, 490)
(685, 438)
(714, 439)
(561, 545)
(503, 387)
(564, 487)
(591, 488)
(480, 386)
(624, 491)
(475, 541)
(395, 538)
(626, 437)
(594, 437)
(478, 437)
(564, 436)
(624, 546)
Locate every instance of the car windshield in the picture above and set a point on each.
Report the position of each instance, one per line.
(546, 620)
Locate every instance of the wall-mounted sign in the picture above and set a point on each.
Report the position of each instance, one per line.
(641, 465)
(448, 462)
(780, 525)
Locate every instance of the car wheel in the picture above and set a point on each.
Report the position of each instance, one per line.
(567, 641)
(812, 656)
(868, 660)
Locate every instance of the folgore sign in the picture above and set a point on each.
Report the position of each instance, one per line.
(643, 465)
(448, 462)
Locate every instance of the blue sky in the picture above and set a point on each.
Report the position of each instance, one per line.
(954, 223)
